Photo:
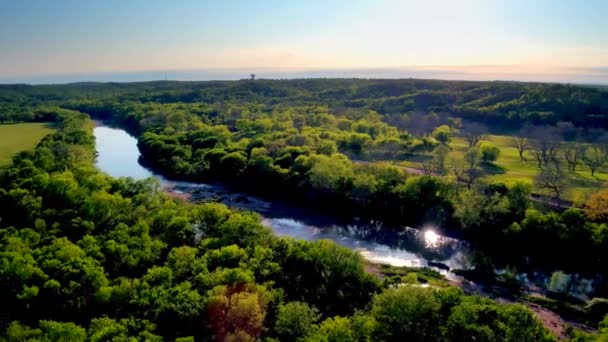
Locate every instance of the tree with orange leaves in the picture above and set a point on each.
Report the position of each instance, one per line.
(237, 313)
(597, 206)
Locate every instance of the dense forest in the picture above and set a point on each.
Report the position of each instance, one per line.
(505, 103)
(88, 257)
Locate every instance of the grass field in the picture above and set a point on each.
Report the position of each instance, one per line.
(20, 137)
(508, 168)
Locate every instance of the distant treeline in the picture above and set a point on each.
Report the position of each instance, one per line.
(492, 103)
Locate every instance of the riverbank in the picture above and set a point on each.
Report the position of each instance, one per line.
(559, 319)
(117, 155)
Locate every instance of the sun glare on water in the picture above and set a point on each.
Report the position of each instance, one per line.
(431, 238)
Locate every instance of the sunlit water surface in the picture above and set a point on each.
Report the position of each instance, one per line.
(118, 155)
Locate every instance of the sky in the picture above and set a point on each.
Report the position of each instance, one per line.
(510, 39)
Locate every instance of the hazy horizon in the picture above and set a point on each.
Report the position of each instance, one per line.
(474, 73)
(552, 41)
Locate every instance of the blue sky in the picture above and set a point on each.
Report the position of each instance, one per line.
(40, 37)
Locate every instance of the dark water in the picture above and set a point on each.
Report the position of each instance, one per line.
(117, 155)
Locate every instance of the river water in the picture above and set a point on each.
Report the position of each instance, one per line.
(118, 156)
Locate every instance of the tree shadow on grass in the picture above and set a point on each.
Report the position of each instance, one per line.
(583, 181)
(493, 169)
(417, 158)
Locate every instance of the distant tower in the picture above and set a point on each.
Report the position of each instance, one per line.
(252, 77)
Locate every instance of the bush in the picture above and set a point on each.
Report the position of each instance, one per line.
(295, 320)
(597, 308)
(489, 152)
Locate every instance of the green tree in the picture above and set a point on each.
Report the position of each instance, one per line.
(295, 320)
(332, 173)
(439, 155)
(107, 329)
(407, 313)
(233, 164)
(475, 320)
(594, 157)
(489, 152)
(443, 134)
(325, 275)
(47, 331)
(483, 217)
(523, 325)
(336, 329)
(184, 263)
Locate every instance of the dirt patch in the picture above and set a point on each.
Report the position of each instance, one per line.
(373, 269)
(550, 320)
(177, 194)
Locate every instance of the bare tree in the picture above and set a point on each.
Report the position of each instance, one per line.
(467, 171)
(522, 144)
(473, 133)
(602, 141)
(472, 157)
(459, 171)
(427, 167)
(552, 178)
(472, 176)
(573, 154)
(545, 147)
(400, 121)
(420, 124)
(594, 157)
(521, 141)
(464, 174)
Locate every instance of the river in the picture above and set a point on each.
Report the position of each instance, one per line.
(118, 156)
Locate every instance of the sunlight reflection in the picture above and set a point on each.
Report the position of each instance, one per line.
(431, 238)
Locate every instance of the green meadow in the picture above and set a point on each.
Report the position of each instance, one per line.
(509, 168)
(19, 137)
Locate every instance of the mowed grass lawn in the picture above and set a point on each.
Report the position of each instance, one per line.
(509, 168)
(15, 138)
